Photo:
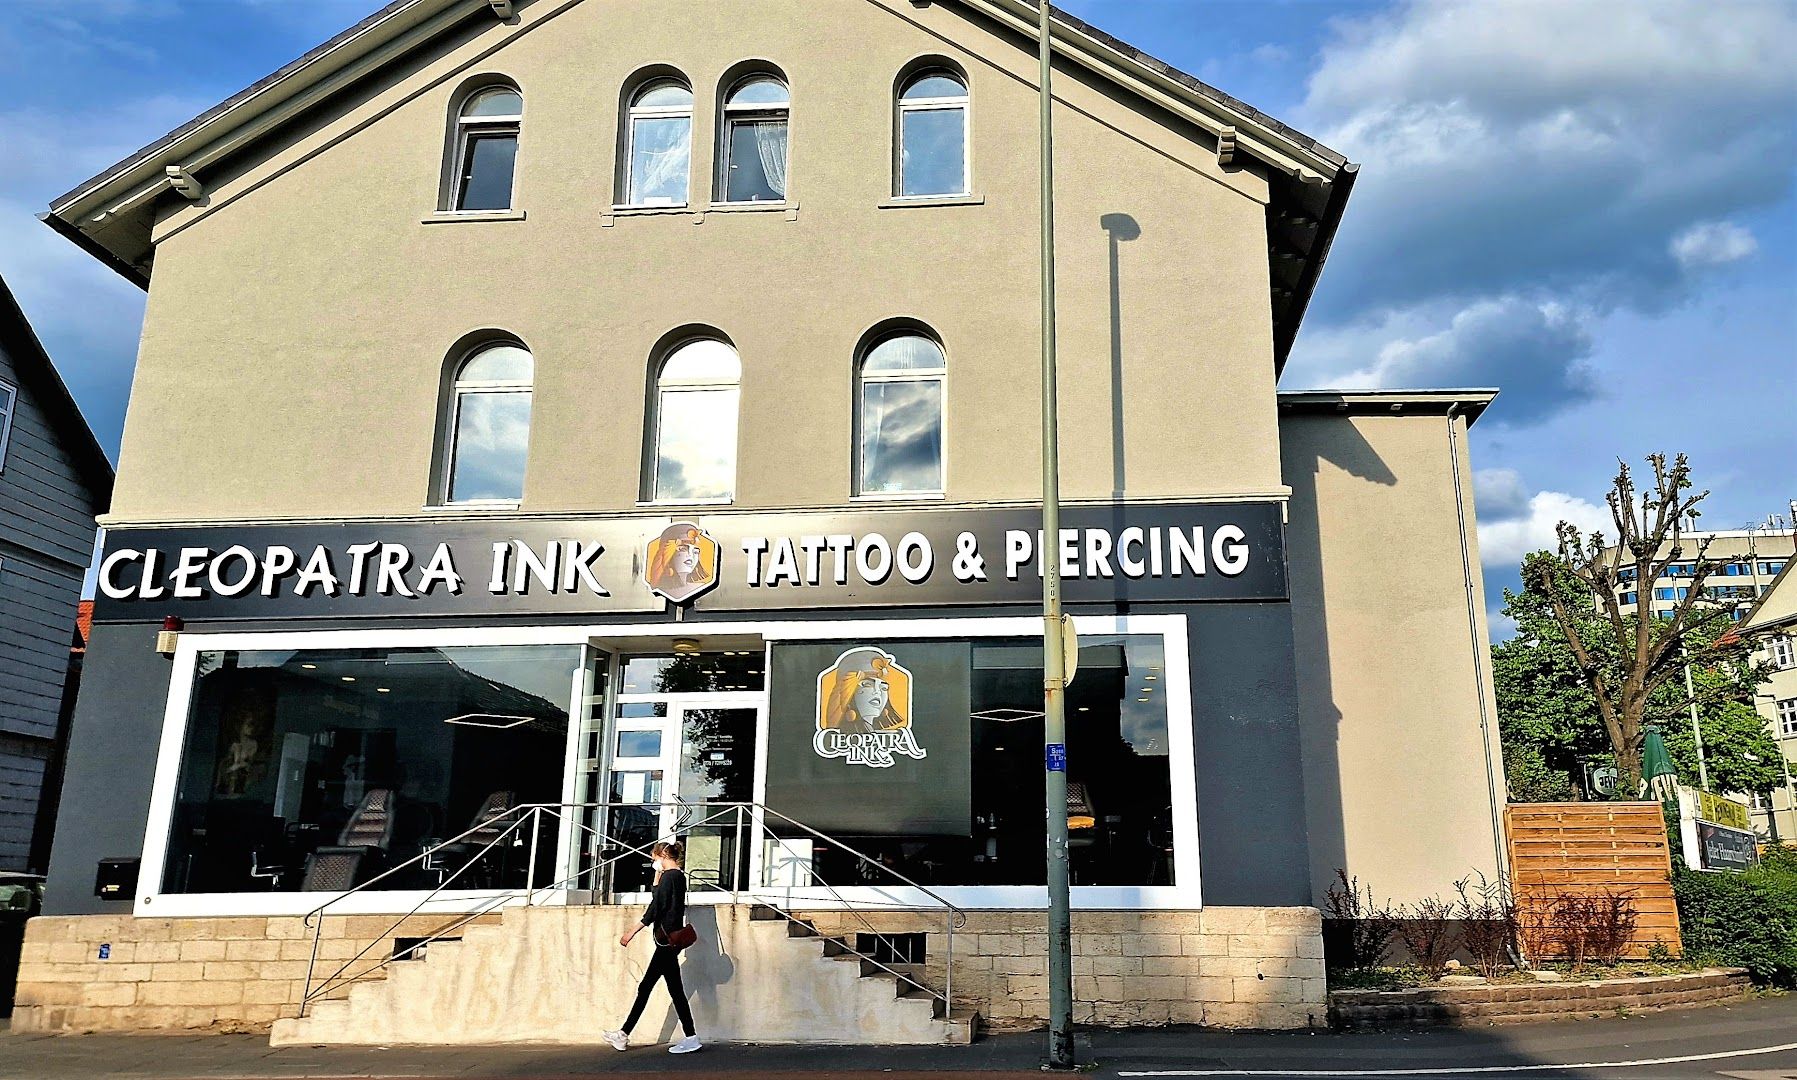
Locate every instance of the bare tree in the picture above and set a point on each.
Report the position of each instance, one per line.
(1626, 655)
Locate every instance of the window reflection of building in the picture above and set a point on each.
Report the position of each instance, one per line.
(376, 754)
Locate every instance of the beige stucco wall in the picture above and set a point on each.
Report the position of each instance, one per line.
(1395, 770)
(300, 317)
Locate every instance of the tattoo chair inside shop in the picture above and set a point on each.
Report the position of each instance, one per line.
(487, 825)
(361, 847)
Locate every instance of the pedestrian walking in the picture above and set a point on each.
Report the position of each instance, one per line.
(666, 920)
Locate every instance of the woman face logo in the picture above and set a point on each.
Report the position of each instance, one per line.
(869, 699)
(681, 562)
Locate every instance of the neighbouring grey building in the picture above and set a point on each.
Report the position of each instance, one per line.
(54, 479)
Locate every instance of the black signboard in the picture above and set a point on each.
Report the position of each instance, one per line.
(1722, 848)
(712, 562)
(872, 740)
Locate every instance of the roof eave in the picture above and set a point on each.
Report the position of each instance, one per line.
(1470, 402)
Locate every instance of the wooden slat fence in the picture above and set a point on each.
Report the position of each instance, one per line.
(1592, 848)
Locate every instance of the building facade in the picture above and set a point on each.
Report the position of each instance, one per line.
(54, 480)
(629, 410)
(1773, 626)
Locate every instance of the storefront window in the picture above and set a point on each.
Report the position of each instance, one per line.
(317, 770)
(947, 785)
(693, 673)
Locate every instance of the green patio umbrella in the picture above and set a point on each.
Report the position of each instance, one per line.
(1656, 767)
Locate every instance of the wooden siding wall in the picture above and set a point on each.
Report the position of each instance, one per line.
(1591, 848)
(46, 541)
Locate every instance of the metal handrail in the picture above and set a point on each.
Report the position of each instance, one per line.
(537, 812)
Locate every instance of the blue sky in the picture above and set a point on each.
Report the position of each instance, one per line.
(1587, 204)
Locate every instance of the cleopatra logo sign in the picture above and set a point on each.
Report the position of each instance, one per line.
(864, 710)
(681, 563)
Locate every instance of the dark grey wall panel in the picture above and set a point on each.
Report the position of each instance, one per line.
(111, 764)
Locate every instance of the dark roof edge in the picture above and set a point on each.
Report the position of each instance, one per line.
(92, 247)
(27, 352)
(1313, 269)
(1750, 624)
(1472, 401)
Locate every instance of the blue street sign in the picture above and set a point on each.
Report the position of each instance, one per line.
(1057, 757)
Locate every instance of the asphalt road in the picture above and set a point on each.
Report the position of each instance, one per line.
(1678, 1045)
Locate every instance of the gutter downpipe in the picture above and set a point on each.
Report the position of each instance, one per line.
(1472, 632)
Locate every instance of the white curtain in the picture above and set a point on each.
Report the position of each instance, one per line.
(770, 143)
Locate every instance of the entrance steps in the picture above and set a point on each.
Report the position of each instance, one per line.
(557, 975)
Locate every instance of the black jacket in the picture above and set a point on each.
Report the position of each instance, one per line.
(667, 907)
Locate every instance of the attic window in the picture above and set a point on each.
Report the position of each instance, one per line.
(486, 148)
(9, 399)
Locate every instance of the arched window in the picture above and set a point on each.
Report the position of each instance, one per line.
(488, 426)
(486, 149)
(696, 391)
(932, 135)
(752, 164)
(900, 395)
(658, 151)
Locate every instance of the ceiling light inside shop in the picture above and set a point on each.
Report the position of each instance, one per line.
(686, 645)
(348, 678)
(383, 689)
(310, 667)
(1151, 678)
(1141, 699)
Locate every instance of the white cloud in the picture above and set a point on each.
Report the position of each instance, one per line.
(1502, 626)
(1503, 543)
(1530, 155)
(1500, 494)
(1712, 243)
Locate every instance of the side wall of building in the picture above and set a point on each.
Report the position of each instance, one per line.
(46, 536)
(1391, 676)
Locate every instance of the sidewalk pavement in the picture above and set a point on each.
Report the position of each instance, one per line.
(1715, 1035)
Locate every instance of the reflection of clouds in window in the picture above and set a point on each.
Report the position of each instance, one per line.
(901, 436)
(697, 445)
(492, 436)
(934, 150)
(660, 154)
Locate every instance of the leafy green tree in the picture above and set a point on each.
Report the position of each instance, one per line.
(1549, 718)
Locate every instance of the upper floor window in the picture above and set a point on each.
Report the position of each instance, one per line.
(9, 400)
(900, 407)
(932, 135)
(486, 148)
(658, 152)
(1787, 718)
(489, 426)
(752, 165)
(1784, 652)
(694, 441)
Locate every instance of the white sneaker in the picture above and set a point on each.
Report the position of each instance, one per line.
(618, 1040)
(686, 1045)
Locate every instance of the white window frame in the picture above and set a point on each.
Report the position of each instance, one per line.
(9, 406)
(467, 129)
(634, 112)
(1784, 651)
(733, 115)
(1787, 718)
(461, 388)
(686, 386)
(964, 102)
(862, 378)
(1185, 894)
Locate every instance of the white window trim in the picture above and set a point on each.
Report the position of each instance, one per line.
(461, 388)
(469, 127)
(1185, 894)
(964, 102)
(862, 378)
(730, 116)
(11, 395)
(632, 114)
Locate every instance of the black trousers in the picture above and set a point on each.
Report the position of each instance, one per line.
(664, 965)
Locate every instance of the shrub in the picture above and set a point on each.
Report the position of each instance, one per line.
(1745, 920)
(1366, 926)
(1580, 926)
(1488, 920)
(1428, 931)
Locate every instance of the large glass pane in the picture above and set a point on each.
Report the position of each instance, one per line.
(756, 166)
(487, 172)
(901, 436)
(692, 673)
(492, 436)
(933, 146)
(696, 445)
(660, 159)
(638, 744)
(1119, 805)
(317, 770)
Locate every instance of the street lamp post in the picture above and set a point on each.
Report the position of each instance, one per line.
(1054, 712)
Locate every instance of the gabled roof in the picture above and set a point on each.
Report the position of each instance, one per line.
(109, 214)
(1777, 609)
(39, 377)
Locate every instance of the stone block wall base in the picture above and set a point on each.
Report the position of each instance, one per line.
(1472, 1006)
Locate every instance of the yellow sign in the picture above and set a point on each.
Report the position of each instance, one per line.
(1721, 811)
